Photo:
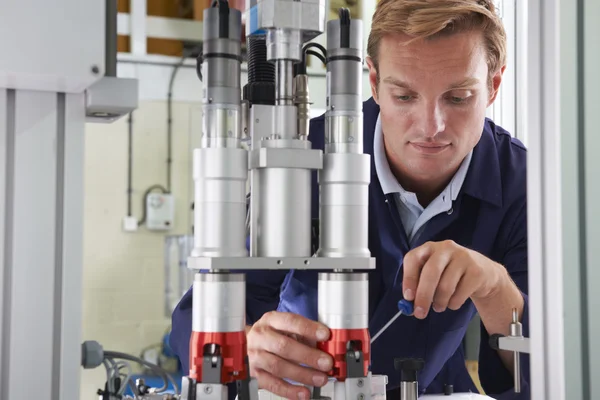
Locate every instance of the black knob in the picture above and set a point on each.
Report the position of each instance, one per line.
(408, 368)
(448, 390)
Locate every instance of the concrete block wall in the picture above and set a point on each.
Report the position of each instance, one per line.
(123, 297)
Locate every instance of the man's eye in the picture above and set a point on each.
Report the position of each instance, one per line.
(404, 98)
(458, 100)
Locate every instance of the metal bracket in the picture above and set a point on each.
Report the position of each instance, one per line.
(212, 364)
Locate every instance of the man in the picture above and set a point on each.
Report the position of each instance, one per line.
(447, 213)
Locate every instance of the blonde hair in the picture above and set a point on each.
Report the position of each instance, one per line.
(428, 19)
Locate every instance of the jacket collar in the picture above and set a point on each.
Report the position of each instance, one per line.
(483, 180)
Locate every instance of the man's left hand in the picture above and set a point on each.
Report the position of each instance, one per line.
(443, 275)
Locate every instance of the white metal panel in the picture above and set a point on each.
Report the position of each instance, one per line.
(72, 247)
(591, 59)
(544, 202)
(32, 317)
(521, 71)
(51, 45)
(572, 239)
(3, 266)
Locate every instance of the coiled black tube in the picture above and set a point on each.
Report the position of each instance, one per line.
(261, 73)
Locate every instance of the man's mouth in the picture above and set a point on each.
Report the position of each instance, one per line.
(429, 147)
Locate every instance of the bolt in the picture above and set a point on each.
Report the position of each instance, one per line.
(207, 389)
(361, 397)
(210, 100)
(279, 262)
(360, 383)
(257, 120)
(351, 139)
(95, 70)
(306, 262)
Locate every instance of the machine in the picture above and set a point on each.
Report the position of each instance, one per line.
(279, 164)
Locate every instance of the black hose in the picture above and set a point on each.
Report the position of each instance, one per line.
(259, 69)
(318, 55)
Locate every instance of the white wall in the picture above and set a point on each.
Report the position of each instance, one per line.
(123, 304)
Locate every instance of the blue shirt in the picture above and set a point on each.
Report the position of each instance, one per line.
(413, 215)
(489, 217)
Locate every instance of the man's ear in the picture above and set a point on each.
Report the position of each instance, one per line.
(372, 78)
(496, 81)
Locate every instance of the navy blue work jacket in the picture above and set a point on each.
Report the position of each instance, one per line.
(489, 216)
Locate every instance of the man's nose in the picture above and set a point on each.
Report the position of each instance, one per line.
(432, 120)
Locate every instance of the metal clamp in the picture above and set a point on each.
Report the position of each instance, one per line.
(516, 343)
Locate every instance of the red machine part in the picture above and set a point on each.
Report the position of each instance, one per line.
(233, 350)
(337, 346)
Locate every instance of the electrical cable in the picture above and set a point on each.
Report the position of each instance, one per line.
(170, 118)
(129, 163)
(155, 368)
(318, 55)
(319, 46)
(144, 202)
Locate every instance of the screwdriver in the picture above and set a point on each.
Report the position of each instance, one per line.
(404, 307)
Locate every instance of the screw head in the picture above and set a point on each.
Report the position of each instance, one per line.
(95, 69)
(360, 383)
(207, 389)
(361, 397)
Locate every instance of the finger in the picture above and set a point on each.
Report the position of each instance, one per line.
(451, 276)
(279, 387)
(282, 368)
(294, 323)
(429, 280)
(413, 262)
(465, 288)
(292, 350)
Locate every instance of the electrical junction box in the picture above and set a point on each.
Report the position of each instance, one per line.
(160, 211)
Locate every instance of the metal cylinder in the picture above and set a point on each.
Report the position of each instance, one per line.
(284, 44)
(302, 103)
(343, 118)
(343, 300)
(220, 176)
(221, 125)
(344, 223)
(219, 302)
(409, 391)
(284, 80)
(284, 223)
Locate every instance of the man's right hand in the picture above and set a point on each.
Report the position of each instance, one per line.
(277, 346)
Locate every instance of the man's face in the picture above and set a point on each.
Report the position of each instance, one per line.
(433, 96)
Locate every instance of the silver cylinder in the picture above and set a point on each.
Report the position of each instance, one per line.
(221, 70)
(343, 118)
(409, 391)
(285, 122)
(283, 227)
(284, 80)
(284, 44)
(220, 176)
(302, 103)
(219, 303)
(221, 125)
(344, 223)
(343, 300)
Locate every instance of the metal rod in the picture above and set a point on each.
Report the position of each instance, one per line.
(284, 79)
